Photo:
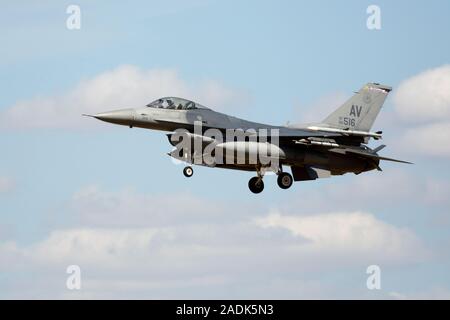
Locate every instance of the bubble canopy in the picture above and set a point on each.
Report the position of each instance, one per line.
(175, 104)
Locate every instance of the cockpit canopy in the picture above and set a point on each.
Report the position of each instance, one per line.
(175, 103)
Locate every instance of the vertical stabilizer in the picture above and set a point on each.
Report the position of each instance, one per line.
(361, 110)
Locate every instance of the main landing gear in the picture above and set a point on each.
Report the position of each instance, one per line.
(284, 180)
(256, 184)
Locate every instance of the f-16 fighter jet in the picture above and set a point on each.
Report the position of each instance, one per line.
(202, 136)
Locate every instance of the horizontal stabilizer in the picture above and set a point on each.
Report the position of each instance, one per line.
(394, 160)
(374, 155)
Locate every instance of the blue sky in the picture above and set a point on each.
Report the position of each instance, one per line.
(63, 177)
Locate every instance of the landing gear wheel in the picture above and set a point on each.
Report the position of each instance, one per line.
(188, 172)
(256, 185)
(284, 180)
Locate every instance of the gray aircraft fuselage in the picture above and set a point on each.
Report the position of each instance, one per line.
(333, 147)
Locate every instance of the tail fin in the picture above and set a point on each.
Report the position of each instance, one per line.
(361, 110)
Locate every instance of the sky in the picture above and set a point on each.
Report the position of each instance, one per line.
(76, 191)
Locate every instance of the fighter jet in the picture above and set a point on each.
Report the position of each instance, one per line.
(335, 146)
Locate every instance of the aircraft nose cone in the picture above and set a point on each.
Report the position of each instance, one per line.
(123, 116)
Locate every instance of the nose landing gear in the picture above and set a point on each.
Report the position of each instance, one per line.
(256, 184)
(188, 172)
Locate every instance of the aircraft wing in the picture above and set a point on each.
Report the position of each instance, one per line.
(294, 133)
(344, 137)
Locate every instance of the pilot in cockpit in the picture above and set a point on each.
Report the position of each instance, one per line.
(170, 104)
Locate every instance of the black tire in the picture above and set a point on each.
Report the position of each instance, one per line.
(285, 180)
(256, 185)
(188, 172)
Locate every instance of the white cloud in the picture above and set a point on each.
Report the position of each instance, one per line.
(423, 103)
(339, 233)
(425, 96)
(392, 188)
(390, 185)
(6, 184)
(428, 140)
(213, 259)
(95, 207)
(95, 245)
(432, 293)
(354, 233)
(176, 252)
(126, 86)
